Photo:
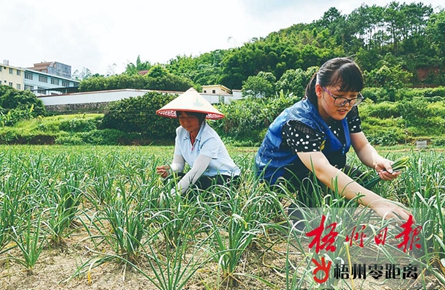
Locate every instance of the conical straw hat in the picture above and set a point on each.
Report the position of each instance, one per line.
(190, 101)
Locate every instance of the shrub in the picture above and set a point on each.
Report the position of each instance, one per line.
(13, 116)
(9, 136)
(18, 105)
(138, 114)
(78, 125)
(427, 94)
(380, 110)
(386, 137)
(439, 141)
(70, 140)
(101, 137)
(415, 112)
(49, 127)
(372, 94)
(247, 119)
(93, 137)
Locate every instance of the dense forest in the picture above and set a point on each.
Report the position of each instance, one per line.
(400, 45)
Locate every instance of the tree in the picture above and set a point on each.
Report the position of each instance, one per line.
(436, 33)
(204, 69)
(111, 70)
(157, 78)
(412, 33)
(294, 82)
(261, 85)
(134, 69)
(157, 71)
(390, 77)
(82, 75)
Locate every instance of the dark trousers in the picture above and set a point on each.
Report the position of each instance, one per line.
(206, 182)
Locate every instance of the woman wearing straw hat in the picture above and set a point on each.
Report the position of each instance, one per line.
(197, 144)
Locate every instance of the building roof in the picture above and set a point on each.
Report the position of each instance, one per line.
(219, 86)
(143, 72)
(51, 75)
(42, 65)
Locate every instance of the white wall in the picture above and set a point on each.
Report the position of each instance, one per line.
(90, 97)
(115, 95)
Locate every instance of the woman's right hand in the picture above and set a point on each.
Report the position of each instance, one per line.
(163, 170)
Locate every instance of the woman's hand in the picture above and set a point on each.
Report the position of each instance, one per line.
(163, 170)
(384, 169)
(390, 210)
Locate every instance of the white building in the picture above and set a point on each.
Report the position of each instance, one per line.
(39, 82)
(11, 76)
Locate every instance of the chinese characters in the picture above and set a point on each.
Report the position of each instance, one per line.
(324, 237)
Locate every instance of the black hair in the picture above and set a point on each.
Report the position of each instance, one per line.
(201, 116)
(341, 71)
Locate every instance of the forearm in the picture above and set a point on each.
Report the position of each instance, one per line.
(385, 208)
(369, 156)
(365, 151)
(337, 180)
(200, 165)
(177, 164)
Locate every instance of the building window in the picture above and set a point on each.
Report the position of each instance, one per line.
(28, 87)
(10, 71)
(65, 84)
(54, 81)
(41, 90)
(213, 91)
(19, 73)
(205, 91)
(10, 84)
(28, 75)
(43, 79)
(19, 87)
(0, 68)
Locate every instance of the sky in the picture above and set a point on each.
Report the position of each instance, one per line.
(104, 35)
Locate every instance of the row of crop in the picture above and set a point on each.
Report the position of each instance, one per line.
(127, 216)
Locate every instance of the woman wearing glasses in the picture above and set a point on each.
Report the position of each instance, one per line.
(314, 135)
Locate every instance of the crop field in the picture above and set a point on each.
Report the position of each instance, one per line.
(99, 217)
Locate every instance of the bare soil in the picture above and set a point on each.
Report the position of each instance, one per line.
(57, 266)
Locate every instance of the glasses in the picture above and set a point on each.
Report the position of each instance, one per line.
(341, 101)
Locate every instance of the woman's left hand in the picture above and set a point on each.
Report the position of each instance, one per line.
(384, 169)
(390, 210)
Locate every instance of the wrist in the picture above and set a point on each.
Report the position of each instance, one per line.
(371, 199)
